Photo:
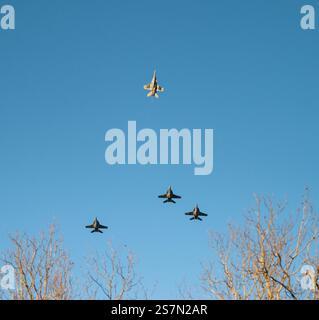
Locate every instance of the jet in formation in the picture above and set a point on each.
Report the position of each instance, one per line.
(169, 196)
(196, 214)
(96, 226)
(153, 87)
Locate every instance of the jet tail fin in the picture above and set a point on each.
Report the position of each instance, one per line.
(192, 219)
(93, 231)
(169, 200)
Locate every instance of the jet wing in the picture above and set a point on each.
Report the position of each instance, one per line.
(164, 196)
(189, 213)
(176, 197)
(103, 227)
(202, 214)
(147, 86)
(90, 227)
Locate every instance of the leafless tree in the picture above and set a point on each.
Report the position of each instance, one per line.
(263, 259)
(112, 276)
(187, 291)
(42, 267)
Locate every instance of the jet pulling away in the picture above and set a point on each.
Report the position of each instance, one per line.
(196, 214)
(153, 87)
(169, 196)
(96, 226)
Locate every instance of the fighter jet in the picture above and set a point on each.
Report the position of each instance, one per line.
(169, 196)
(96, 226)
(196, 214)
(153, 87)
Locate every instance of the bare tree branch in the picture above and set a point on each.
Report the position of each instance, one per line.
(263, 259)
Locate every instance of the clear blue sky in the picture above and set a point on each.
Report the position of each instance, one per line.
(74, 69)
